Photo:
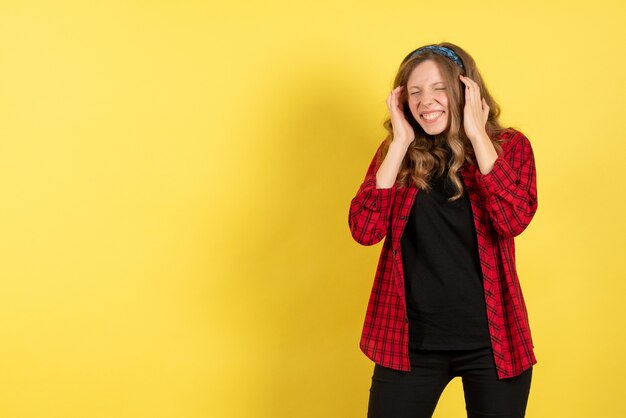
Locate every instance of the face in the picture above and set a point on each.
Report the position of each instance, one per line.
(428, 97)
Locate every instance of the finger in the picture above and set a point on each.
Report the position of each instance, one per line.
(401, 95)
(475, 90)
(394, 100)
(470, 81)
(477, 98)
(398, 92)
(464, 81)
(473, 87)
(467, 82)
(396, 97)
(468, 94)
(471, 84)
(391, 103)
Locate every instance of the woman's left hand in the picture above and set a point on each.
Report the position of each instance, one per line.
(476, 110)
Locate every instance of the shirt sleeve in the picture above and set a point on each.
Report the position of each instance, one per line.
(510, 188)
(370, 209)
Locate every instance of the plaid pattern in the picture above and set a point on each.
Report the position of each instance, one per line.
(503, 203)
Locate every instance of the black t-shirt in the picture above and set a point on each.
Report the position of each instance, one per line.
(443, 280)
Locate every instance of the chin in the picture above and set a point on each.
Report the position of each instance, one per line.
(433, 132)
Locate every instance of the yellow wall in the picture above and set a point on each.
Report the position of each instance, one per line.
(175, 182)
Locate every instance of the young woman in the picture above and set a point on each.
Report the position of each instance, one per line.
(448, 189)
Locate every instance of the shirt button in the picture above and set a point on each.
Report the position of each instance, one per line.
(393, 252)
(404, 218)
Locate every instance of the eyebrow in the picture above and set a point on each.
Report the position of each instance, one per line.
(433, 84)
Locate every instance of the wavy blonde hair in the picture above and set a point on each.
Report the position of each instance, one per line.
(430, 154)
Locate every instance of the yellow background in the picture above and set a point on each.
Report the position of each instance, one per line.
(176, 177)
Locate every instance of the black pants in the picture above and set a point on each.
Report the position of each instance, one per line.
(414, 394)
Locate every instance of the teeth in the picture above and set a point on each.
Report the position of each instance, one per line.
(432, 116)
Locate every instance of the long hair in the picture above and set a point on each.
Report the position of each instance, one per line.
(430, 154)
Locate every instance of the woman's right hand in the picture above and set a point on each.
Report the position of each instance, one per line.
(403, 135)
(402, 130)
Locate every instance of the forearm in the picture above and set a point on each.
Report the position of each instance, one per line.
(389, 168)
(370, 207)
(509, 190)
(485, 153)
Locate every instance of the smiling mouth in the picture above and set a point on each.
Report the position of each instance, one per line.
(431, 116)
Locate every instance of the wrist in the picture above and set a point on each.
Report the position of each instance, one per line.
(400, 144)
(481, 137)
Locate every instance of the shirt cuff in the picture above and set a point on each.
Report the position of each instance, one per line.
(501, 177)
(378, 199)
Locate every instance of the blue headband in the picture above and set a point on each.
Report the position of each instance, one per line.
(441, 50)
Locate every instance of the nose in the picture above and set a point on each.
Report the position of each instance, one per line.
(427, 100)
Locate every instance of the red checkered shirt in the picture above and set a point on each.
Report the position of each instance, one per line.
(503, 203)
